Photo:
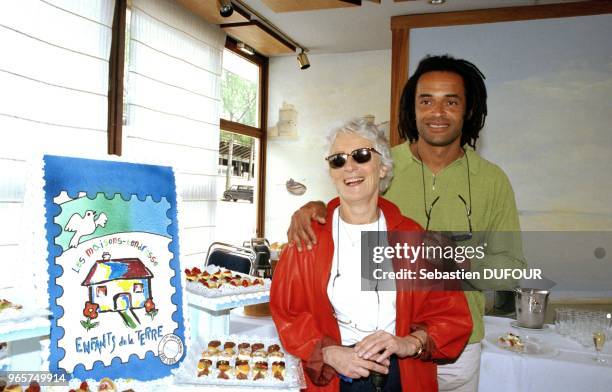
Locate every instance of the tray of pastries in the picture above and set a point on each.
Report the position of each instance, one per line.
(213, 281)
(241, 361)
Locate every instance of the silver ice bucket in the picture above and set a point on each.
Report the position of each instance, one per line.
(531, 307)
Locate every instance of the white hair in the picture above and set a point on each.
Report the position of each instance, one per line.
(369, 131)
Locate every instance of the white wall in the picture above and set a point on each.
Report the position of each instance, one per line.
(336, 87)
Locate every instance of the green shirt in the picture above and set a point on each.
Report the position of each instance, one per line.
(493, 210)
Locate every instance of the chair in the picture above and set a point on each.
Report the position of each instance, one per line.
(231, 257)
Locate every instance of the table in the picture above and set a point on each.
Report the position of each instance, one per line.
(212, 315)
(570, 369)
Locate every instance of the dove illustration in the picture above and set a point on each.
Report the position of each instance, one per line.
(84, 225)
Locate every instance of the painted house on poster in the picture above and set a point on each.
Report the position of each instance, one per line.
(118, 284)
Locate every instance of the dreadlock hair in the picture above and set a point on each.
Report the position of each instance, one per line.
(475, 94)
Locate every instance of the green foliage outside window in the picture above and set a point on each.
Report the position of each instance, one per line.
(239, 99)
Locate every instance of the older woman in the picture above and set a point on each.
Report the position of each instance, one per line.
(341, 333)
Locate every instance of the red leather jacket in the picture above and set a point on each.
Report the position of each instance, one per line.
(304, 316)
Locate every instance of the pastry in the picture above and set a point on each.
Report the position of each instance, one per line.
(260, 369)
(13, 388)
(273, 348)
(210, 355)
(259, 356)
(213, 345)
(204, 363)
(257, 346)
(5, 304)
(243, 346)
(225, 356)
(84, 387)
(276, 356)
(33, 387)
(223, 365)
(107, 384)
(235, 282)
(511, 340)
(244, 354)
(229, 347)
(242, 369)
(211, 283)
(278, 370)
(204, 366)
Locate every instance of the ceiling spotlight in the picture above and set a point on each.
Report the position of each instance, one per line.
(245, 48)
(225, 8)
(303, 60)
(437, 2)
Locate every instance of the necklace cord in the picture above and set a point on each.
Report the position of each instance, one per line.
(468, 208)
(338, 263)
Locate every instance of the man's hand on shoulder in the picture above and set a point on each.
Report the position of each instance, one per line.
(300, 231)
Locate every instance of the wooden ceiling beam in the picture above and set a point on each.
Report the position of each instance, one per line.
(209, 11)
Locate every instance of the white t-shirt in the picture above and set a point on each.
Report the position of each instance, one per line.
(359, 313)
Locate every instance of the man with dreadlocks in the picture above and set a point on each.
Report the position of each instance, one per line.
(442, 183)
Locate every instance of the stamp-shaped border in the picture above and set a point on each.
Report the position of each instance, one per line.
(76, 175)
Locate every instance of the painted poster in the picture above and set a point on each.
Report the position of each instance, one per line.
(114, 287)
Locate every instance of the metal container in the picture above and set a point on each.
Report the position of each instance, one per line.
(262, 266)
(531, 307)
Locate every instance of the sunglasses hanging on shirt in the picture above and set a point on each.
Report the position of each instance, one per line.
(457, 237)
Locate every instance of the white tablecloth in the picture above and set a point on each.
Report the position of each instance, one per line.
(570, 369)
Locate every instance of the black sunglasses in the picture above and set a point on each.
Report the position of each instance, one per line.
(360, 155)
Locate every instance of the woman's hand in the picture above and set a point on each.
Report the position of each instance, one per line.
(346, 362)
(380, 345)
(300, 229)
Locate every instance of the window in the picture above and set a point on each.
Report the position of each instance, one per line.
(138, 288)
(101, 291)
(240, 89)
(241, 150)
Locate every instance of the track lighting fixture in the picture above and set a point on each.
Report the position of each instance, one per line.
(225, 8)
(245, 48)
(302, 59)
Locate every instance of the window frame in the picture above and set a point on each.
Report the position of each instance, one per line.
(256, 132)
